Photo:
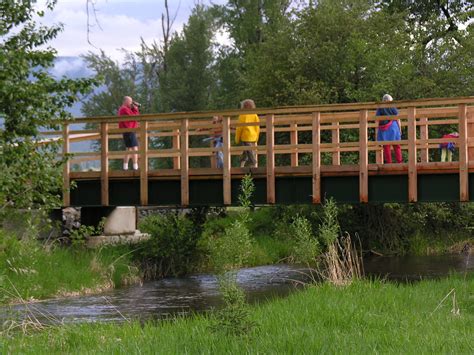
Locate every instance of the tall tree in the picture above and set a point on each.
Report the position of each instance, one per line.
(117, 81)
(188, 80)
(30, 100)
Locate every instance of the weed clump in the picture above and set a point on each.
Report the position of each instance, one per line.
(228, 254)
(306, 247)
(342, 262)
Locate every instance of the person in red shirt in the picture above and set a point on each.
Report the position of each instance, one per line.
(129, 108)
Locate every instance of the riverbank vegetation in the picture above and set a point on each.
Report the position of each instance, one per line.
(182, 244)
(425, 317)
(296, 234)
(30, 271)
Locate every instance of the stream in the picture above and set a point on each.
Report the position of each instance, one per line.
(197, 293)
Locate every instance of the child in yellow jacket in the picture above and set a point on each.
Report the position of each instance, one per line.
(248, 135)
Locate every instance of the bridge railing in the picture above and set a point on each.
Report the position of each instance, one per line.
(307, 140)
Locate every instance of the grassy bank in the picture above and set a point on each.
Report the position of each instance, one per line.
(31, 271)
(363, 317)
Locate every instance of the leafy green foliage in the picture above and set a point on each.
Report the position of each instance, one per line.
(30, 100)
(234, 318)
(186, 81)
(306, 248)
(329, 229)
(416, 228)
(78, 237)
(232, 249)
(172, 247)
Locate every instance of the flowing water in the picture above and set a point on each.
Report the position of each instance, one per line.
(171, 296)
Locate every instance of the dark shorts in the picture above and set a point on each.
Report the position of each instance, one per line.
(130, 139)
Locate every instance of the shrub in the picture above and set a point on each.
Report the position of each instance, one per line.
(233, 249)
(307, 247)
(172, 247)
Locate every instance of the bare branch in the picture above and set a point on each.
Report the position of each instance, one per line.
(91, 9)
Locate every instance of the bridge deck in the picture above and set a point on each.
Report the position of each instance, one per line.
(305, 154)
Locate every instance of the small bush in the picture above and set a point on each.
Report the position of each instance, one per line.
(329, 229)
(172, 247)
(233, 249)
(234, 317)
(306, 247)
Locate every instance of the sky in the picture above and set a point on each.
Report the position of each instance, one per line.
(122, 24)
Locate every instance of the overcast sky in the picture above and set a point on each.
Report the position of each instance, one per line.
(122, 24)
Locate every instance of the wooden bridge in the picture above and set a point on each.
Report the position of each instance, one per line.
(306, 154)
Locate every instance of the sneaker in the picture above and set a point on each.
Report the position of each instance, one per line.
(125, 166)
(135, 166)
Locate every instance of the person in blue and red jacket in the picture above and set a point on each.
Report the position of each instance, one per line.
(389, 130)
(129, 108)
(447, 149)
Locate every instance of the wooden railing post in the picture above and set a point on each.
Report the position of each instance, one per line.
(379, 155)
(176, 145)
(184, 141)
(363, 158)
(412, 173)
(104, 163)
(424, 136)
(67, 167)
(463, 155)
(294, 141)
(379, 148)
(336, 156)
(144, 163)
(470, 134)
(227, 179)
(316, 178)
(270, 142)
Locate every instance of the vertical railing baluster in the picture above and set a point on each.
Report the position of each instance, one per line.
(270, 141)
(363, 158)
(378, 148)
(294, 142)
(470, 134)
(176, 145)
(66, 168)
(412, 161)
(336, 156)
(316, 143)
(424, 155)
(227, 178)
(104, 163)
(184, 141)
(143, 163)
(463, 155)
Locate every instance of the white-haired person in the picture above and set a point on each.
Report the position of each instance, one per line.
(248, 135)
(129, 108)
(389, 129)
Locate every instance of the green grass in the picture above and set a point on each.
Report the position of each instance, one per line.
(366, 317)
(29, 271)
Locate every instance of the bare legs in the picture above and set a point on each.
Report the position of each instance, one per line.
(134, 158)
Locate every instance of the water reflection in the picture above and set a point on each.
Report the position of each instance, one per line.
(412, 268)
(158, 299)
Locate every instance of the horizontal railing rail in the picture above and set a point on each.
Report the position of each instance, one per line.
(302, 140)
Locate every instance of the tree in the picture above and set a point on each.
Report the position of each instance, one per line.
(30, 100)
(187, 82)
(117, 81)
